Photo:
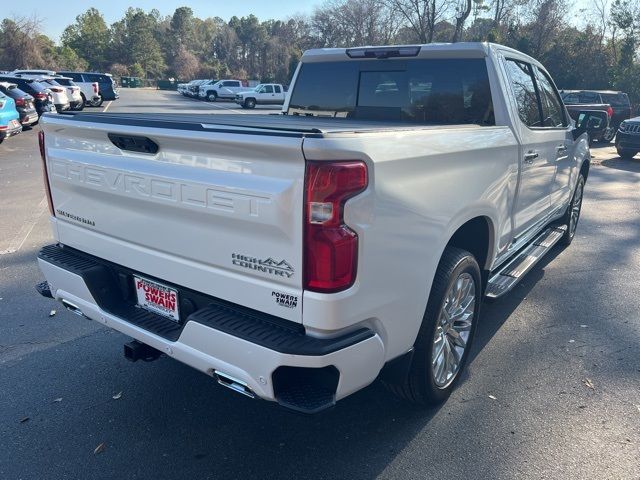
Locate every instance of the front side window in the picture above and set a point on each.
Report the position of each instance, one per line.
(552, 109)
(523, 86)
(422, 91)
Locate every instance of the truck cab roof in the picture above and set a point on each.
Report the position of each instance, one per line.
(431, 50)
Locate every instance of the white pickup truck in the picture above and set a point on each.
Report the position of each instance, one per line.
(298, 257)
(263, 94)
(222, 89)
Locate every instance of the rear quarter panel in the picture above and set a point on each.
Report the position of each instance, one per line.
(423, 185)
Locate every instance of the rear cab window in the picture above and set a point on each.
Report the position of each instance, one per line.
(421, 91)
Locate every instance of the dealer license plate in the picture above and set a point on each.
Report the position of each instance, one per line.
(157, 298)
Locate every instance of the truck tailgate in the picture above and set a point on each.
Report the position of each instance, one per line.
(216, 212)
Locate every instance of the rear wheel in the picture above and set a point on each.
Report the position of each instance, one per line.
(572, 214)
(608, 135)
(447, 330)
(625, 153)
(97, 102)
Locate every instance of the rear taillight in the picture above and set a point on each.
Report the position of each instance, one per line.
(45, 172)
(95, 87)
(610, 111)
(330, 246)
(20, 102)
(40, 96)
(1, 104)
(56, 89)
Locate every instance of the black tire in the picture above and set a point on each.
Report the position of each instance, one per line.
(608, 138)
(84, 99)
(420, 387)
(96, 103)
(250, 103)
(212, 96)
(578, 193)
(626, 154)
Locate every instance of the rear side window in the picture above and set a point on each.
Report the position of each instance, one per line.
(523, 86)
(277, 88)
(93, 77)
(422, 91)
(552, 110)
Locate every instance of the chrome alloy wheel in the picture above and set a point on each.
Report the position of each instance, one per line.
(576, 205)
(452, 331)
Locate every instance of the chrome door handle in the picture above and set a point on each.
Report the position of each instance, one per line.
(561, 149)
(530, 156)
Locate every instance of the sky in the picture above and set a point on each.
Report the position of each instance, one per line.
(62, 13)
(59, 14)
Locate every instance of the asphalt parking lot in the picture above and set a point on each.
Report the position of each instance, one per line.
(552, 389)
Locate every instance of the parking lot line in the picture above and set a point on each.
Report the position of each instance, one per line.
(107, 107)
(220, 107)
(26, 229)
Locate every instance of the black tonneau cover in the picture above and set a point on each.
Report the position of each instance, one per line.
(286, 125)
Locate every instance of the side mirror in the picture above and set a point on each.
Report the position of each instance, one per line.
(593, 122)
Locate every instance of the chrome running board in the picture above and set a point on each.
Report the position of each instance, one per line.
(508, 276)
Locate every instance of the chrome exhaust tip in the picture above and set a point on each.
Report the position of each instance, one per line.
(234, 384)
(73, 308)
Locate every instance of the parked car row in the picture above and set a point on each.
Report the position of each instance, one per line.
(236, 90)
(26, 94)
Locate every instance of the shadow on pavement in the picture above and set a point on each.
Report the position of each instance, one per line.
(632, 165)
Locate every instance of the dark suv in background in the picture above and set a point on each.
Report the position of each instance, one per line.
(619, 102)
(107, 86)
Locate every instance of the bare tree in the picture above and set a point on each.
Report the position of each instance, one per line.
(185, 64)
(21, 42)
(601, 11)
(462, 13)
(354, 22)
(421, 15)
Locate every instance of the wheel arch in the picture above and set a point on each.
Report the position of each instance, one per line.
(584, 168)
(476, 235)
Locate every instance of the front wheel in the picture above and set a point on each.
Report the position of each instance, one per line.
(447, 330)
(572, 214)
(250, 103)
(212, 97)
